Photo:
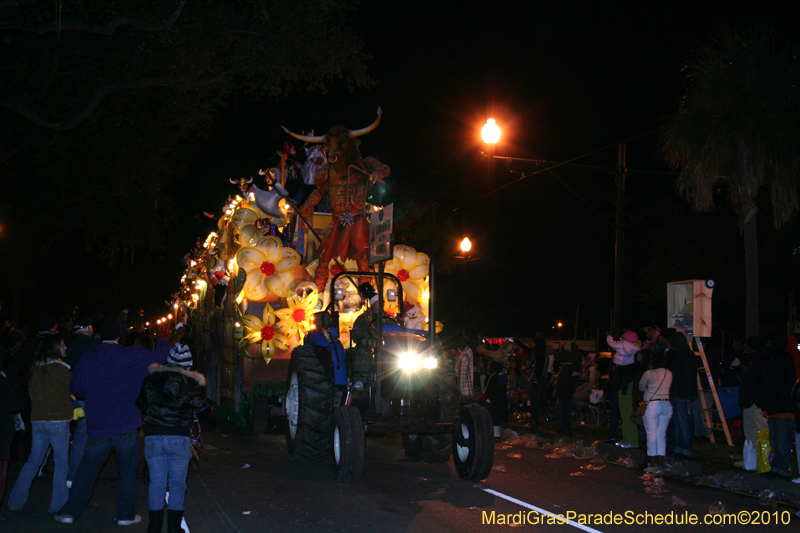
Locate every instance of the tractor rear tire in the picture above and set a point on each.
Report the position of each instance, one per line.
(473, 454)
(309, 406)
(348, 444)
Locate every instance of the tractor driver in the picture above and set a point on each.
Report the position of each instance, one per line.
(364, 332)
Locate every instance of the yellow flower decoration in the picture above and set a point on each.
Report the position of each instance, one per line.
(298, 317)
(263, 330)
(249, 236)
(411, 268)
(268, 266)
(242, 217)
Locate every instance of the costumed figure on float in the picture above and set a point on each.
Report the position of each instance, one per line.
(346, 178)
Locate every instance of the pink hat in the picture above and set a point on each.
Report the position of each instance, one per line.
(630, 336)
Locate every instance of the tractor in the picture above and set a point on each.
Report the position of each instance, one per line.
(398, 383)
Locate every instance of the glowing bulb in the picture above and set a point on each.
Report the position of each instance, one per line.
(237, 324)
(169, 316)
(490, 132)
(466, 245)
(426, 294)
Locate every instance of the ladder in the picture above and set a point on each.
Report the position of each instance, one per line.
(708, 412)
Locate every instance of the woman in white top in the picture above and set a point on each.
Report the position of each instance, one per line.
(655, 383)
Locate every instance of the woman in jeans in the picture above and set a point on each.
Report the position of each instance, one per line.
(169, 396)
(51, 413)
(655, 383)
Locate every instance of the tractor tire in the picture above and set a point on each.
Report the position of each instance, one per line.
(436, 447)
(309, 407)
(473, 454)
(348, 444)
(411, 445)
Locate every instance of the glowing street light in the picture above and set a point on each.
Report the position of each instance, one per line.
(490, 133)
(466, 245)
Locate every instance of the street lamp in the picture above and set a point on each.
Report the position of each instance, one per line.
(490, 133)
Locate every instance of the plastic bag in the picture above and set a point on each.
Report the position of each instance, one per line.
(750, 458)
(763, 450)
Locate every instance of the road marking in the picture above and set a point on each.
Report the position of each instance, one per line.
(540, 510)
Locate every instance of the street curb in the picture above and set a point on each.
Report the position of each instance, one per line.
(735, 480)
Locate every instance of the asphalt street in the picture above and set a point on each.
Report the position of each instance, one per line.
(247, 484)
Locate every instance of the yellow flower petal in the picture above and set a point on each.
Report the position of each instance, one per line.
(406, 255)
(268, 316)
(250, 258)
(277, 285)
(267, 349)
(271, 246)
(253, 337)
(281, 342)
(254, 287)
(252, 323)
(289, 259)
(243, 217)
(249, 236)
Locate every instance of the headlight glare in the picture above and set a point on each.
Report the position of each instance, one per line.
(409, 361)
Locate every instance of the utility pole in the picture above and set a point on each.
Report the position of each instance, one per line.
(619, 247)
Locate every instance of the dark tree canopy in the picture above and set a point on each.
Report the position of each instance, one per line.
(100, 102)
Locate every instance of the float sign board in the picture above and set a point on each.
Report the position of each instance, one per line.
(380, 235)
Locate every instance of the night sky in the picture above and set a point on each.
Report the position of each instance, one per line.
(563, 80)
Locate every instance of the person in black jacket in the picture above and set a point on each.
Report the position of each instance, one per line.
(774, 396)
(683, 364)
(169, 396)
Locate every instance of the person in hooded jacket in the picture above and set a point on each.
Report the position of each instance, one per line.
(683, 363)
(169, 397)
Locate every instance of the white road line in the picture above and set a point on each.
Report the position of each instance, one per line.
(540, 510)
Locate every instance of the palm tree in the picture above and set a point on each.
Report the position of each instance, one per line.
(738, 124)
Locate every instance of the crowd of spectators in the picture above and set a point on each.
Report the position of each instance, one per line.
(79, 387)
(651, 384)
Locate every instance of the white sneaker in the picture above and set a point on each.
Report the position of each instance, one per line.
(64, 518)
(135, 520)
(69, 484)
(796, 480)
(625, 445)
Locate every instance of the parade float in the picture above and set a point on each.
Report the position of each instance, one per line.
(276, 291)
(250, 288)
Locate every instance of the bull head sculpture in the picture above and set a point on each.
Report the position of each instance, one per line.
(340, 144)
(243, 184)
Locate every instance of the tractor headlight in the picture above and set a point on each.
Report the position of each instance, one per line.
(409, 361)
(430, 363)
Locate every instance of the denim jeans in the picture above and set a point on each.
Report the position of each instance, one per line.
(78, 444)
(44, 435)
(95, 454)
(780, 439)
(168, 460)
(656, 419)
(682, 420)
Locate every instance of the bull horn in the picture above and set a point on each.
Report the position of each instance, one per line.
(235, 182)
(305, 138)
(358, 133)
(250, 180)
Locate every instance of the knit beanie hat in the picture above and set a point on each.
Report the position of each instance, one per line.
(180, 355)
(630, 336)
(109, 328)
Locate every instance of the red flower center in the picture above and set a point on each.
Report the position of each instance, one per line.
(267, 268)
(267, 333)
(403, 275)
(298, 315)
